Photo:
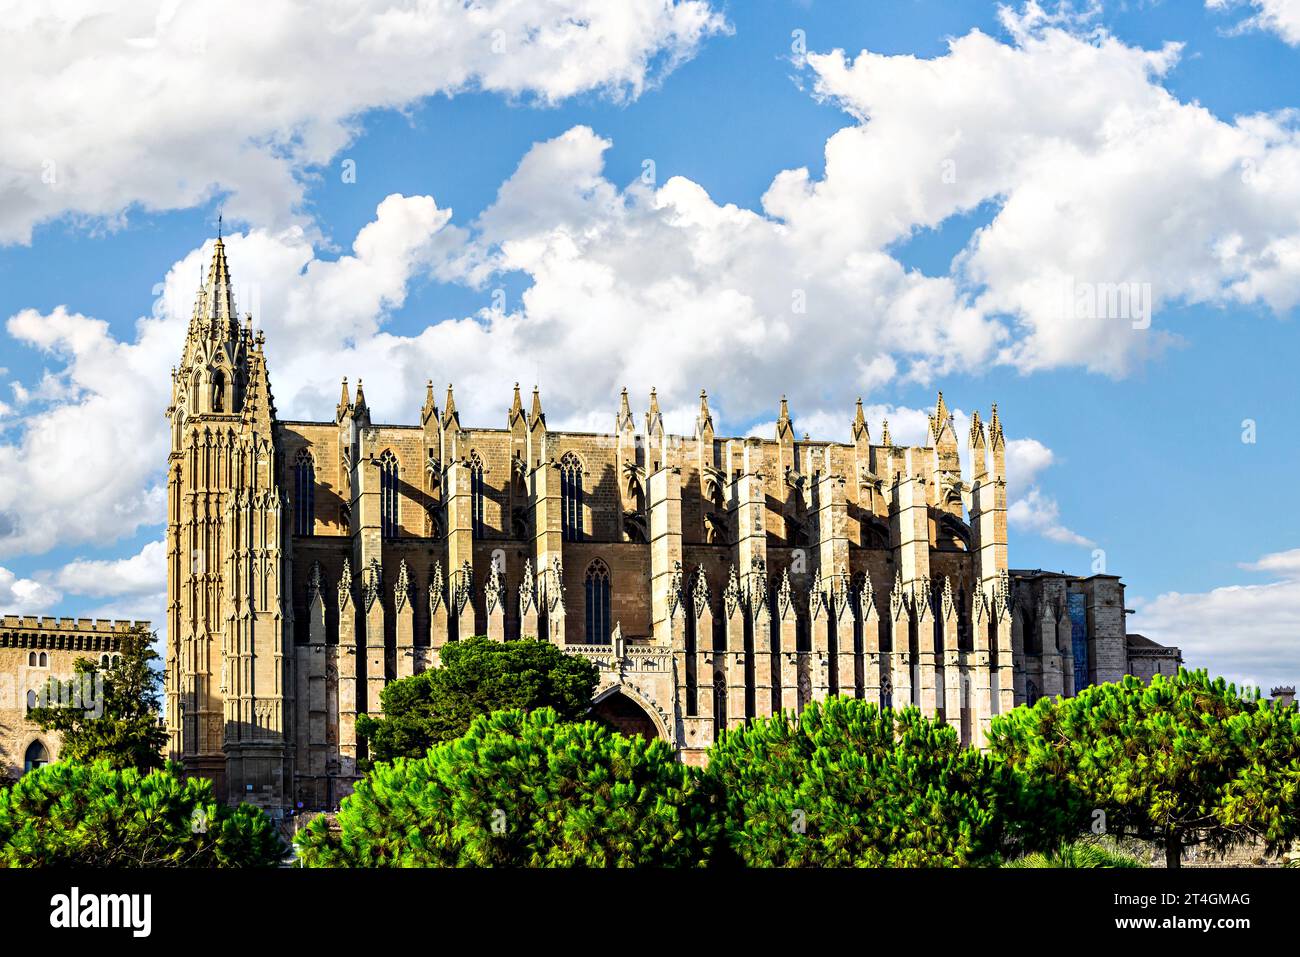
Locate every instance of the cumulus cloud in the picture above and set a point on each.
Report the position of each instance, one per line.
(1247, 633)
(1279, 16)
(85, 465)
(1110, 193)
(1039, 513)
(139, 575)
(163, 104)
(1099, 177)
(25, 596)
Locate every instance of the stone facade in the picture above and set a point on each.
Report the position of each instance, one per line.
(1146, 658)
(712, 578)
(32, 651)
(1069, 632)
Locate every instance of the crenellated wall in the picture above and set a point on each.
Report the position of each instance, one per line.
(34, 650)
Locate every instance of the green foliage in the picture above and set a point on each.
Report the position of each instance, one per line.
(70, 814)
(521, 789)
(477, 677)
(1184, 760)
(1076, 854)
(126, 730)
(847, 784)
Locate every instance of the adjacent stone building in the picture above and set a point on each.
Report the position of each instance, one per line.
(1068, 632)
(712, 578)
(32, 651)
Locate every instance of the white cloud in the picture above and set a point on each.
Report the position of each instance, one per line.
(1280, 16)
(1284, 564)
(163, 103)
(85, 466)
(1039, 513)
(1100, 178)
(140, 575)
(25, 596)
(1098, 175)
(1247, 633)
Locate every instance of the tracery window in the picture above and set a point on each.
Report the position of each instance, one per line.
(388, 495)
(476, 493)
(304, 497)
(597, 596)
(571, 498)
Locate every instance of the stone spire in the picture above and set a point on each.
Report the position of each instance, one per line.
(704, 422)
(516, 407)
(976, 430)
(860, 430)
(784, 424)
(537, 415)
(979, 467)
(345, 403)
(885, 440)
(450, 417)
(359, 408)
(654, 420)
(214, 310)
(997, 445)
(623, 421)
(940, 418)
(430, 409)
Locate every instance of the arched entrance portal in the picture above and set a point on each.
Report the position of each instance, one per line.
(624, 715)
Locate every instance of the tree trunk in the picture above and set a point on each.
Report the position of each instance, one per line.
(1173, 848)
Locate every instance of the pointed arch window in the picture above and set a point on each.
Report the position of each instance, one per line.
(35, 757)
(476, 493)
(571, 498)
(597, 595)
(218, 391)
(304, 494)
(388, 498)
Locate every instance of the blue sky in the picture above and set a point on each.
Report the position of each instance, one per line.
(1146, 460)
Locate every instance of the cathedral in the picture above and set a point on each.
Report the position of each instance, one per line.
(712, 579)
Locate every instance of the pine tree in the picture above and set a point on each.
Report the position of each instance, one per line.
(70, 814)
(1182, 761)
(522, 789)
(476, 677)
(848, 784)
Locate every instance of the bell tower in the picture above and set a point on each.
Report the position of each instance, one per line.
(227, 562)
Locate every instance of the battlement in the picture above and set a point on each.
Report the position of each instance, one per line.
(78, 634)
